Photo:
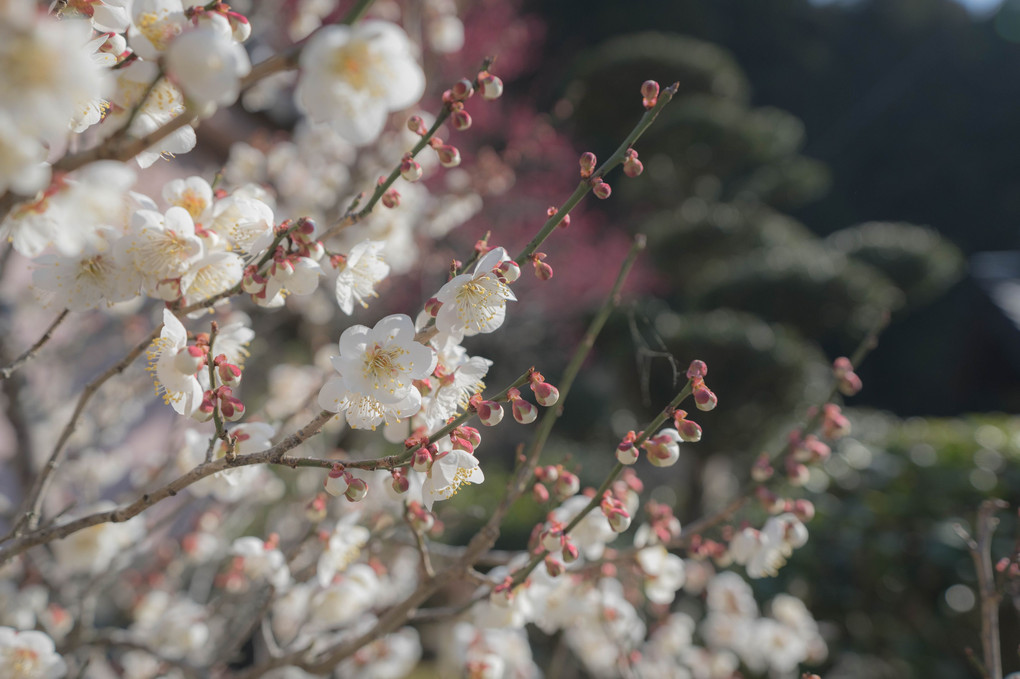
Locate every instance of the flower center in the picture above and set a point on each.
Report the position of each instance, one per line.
(382, 365)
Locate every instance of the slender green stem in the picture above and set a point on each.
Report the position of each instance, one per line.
(586, 185)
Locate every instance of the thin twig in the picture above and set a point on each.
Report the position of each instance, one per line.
(30, 353)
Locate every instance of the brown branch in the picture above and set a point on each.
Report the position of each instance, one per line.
(272, 455)
(989, 596)
(31, 352)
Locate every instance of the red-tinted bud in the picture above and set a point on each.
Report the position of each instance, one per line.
(796, 473)
(697, 370)
(762, 470)
(632, 167)
(449, 156)
(508, 271)
(421, 460)
(230, 374)
(566, 485)
(649, 93)
(523, 411)
(417, 125)
(554, 567)
(491, 86)
(490, 413)
(540, 493)
(601, 189)
(400, 483)
(570, 553)
(804, 509)
(588, 161)
(356, 490)
(391, 198)
(705, 398)
(462, 89)
(432, 306)
(410, 169)
(545, 393)
(189, 360)
(337, 481)
(461, 120)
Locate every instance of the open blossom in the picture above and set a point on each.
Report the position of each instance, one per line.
(354, 76)
(207, 64)
(377, 369)
(447, 474)
(194, 194)
(160, 247)
(181, 391)
(359, 273)
(86, 280)
(476, 302)
(29, 655)
(154, 26)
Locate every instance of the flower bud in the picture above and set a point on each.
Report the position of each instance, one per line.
(570, 552)
(421, 460)
(502, 595)
(410, 169)
(115, 44)
(391, 199)
(697, 370)
(689, 431)
(540, 493)
(432, 306)
(627, 453)
(587, 162)
(804, 509)
(400, 483)
(761, 470)
(632, 167)
(523, 411)
(543, 271)
(490, 85)
(509, 271)
(649, 93)
(253, 283)
(552, 539)
(545, 393)
(336, 481)
(566, 485)
(619, 520)
(189, 360)
(553, 567)
(315, 250)
(663, 449)
(417, 125)
(231, 408)
(357, 489)
(601, 189)
(229, 374)
(796, 473)
(460, 120)
(462, 89)
(205, 410)
(449, 156)
(705, 399)
(490, 413)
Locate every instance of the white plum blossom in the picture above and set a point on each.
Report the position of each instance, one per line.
(476, 302)
(29, 655)
(358, 275)
(176, 626)
(351, 593)
(160, 247)
(207, 64)
(262, 561)
(215, 273)
(86, 280)
(236, 483)
(453, 385)
(354, 76)
(377, 368)
(245, 221)
(447, 474)
(664, 572)
(593, 532)
(93, 549)
(194, 194)
(154, 26)
(179, 390)
(342, 548)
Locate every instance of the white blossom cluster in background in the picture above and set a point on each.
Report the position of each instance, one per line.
(207, 527)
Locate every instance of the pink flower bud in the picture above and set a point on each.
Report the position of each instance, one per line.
(570, 552)
(540, 493)
(231, 408)
(460, 120)
(230, 374)
(253, 283)
(523, 411)
(835, 424)
(553, 567)
(432, 306)
(705, 399)
(357, 489)
(601, 189)
(314, 250)
(417, 125)
(649, 93)
(632, 167)
(545, 393)
(449, 156)
(566, 485)
(552, 539)
(462, 89)
(587, 162)
(619, 520)
(663, 449)
(509, 271)
(189, 360)
(205, 411)
(690, 432)
(400, 483)
(391, 198)
(796, 473)
(697, 370)
(503, 595)
(762, 470)
(490, 85)
(804, 509)
(627, 453)
(421, 460)
(410, 169)
(543, 271)
(336, 481)
(490, 413)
